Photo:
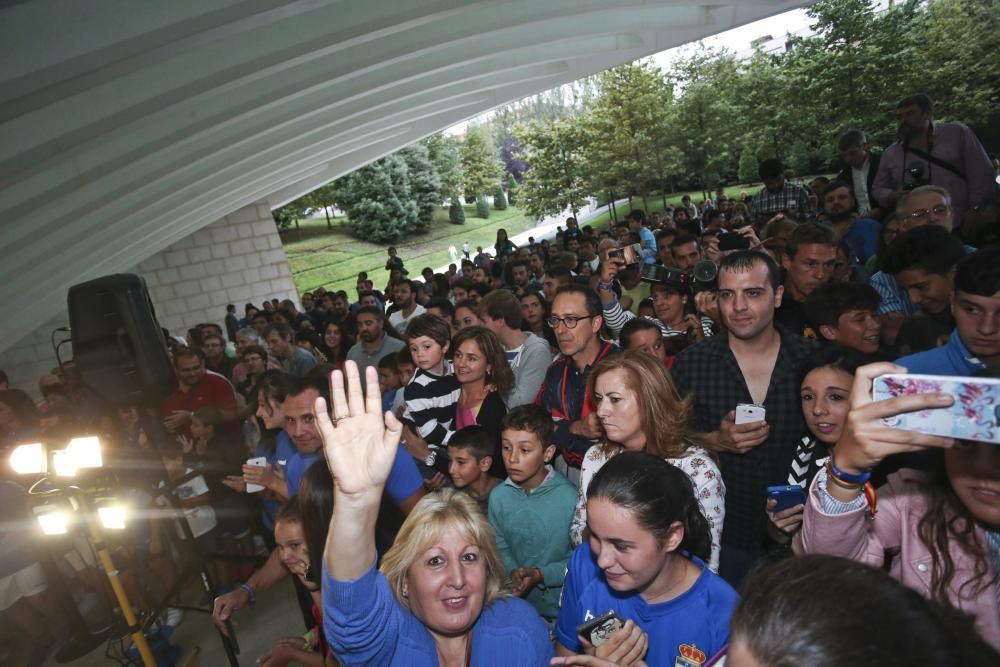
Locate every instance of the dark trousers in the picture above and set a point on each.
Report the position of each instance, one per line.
(735, 563)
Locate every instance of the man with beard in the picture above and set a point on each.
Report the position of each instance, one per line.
(934, 153)
(840, 209)
(406, 306)
(372, 343)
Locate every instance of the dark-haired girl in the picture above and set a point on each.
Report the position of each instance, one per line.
(941, 529)
(645, 560)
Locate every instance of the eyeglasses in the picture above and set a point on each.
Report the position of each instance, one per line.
(570, 321)
(940, 209)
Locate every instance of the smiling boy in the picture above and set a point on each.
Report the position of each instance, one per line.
(532, 510)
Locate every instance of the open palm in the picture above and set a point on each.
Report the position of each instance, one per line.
(360, 443)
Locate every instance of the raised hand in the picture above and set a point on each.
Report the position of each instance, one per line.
(866, 439)
(359, 441)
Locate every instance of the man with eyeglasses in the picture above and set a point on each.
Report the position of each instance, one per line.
(577, 321)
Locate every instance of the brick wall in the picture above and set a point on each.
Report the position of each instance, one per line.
(238, 260)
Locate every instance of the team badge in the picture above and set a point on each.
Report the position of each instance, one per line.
(690, 656)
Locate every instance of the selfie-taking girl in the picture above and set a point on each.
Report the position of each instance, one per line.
(941, 529)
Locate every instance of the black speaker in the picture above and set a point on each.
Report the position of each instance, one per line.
(118, 346)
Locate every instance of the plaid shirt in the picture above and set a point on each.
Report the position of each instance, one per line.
(711, 373)
(792, 197)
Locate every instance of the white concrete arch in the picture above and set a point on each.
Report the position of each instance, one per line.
(126, 126)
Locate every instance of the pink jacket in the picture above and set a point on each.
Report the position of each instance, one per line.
(901, 505)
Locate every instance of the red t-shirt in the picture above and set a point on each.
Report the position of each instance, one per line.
(212, 391)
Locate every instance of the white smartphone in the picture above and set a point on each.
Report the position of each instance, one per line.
(975, 414)
(748, 413)
(261, 462)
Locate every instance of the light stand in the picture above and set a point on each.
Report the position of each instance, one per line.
(81, 454)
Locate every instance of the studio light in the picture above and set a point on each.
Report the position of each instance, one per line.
(29, 459)
(112, 515)
(53, 522)
(62, 464)
(85, 452)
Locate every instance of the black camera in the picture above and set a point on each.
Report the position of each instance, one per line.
(705, 276)
(913, 177)
(662, 275)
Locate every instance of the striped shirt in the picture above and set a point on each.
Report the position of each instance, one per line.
(430, 405)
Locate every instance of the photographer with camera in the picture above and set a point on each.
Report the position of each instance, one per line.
(935, 153)
(669, 288)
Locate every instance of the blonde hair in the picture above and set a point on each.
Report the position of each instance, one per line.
(425, 526)
(664, 416)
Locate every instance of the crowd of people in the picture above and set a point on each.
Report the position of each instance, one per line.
(563, 451)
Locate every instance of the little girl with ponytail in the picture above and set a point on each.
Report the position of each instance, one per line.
(644, 561)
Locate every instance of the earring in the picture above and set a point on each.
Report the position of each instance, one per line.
(406, 592)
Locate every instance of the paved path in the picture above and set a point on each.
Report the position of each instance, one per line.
(545, 228)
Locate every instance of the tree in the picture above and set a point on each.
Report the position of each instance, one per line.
(499, 200)
(444, 152)
(479, 162)
(378, 201)
(748, 166)
(629, 141)
(482, 207)
(424, 184)
(456, 213)
(512, 189)
(322, 199)
(554, 181)
(510, 152)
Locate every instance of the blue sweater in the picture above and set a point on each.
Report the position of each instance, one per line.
(950, 359)
(533, 531)
(365, 625)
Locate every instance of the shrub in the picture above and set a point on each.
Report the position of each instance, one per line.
(456, 214)
(482, 207)
(499, 200)
(511, 190)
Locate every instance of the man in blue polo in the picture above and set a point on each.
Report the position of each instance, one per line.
(975, 304)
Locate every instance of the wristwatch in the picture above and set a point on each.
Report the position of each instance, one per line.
(431, 458)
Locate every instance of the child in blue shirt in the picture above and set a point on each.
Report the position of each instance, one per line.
(645, 562)
(388, 379)
(532, 510)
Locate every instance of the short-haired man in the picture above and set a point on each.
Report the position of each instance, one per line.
(528, 354)
(216, 360)
(860, 234)
(520, 277)
(281, 343)
(933, 153)
(750, 362)
(860, 167)
(846, 314)
(923, 261)
(926, 205)
(778, 195)
(373, 343)
(576, 320)
(197, 388)
(664, 254)
(555, 277)
(406, 304)
(975, 305)
(686, 251)
(809, 257)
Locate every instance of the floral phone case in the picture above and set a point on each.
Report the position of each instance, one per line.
(973, 416)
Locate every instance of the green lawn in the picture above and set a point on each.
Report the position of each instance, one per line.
(655, 203)
(332, 258)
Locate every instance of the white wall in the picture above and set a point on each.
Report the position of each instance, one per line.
(237, 260)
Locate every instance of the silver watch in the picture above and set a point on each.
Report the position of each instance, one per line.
(431, 458)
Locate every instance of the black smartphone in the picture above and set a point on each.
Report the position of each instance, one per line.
(733, 241)
(599, 630)
(630, 254)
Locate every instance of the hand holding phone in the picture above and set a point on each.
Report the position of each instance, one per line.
(260, 462)
(786, 496)
(748, 413)
(599, 630)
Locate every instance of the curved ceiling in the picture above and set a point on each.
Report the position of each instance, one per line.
(125, 126)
